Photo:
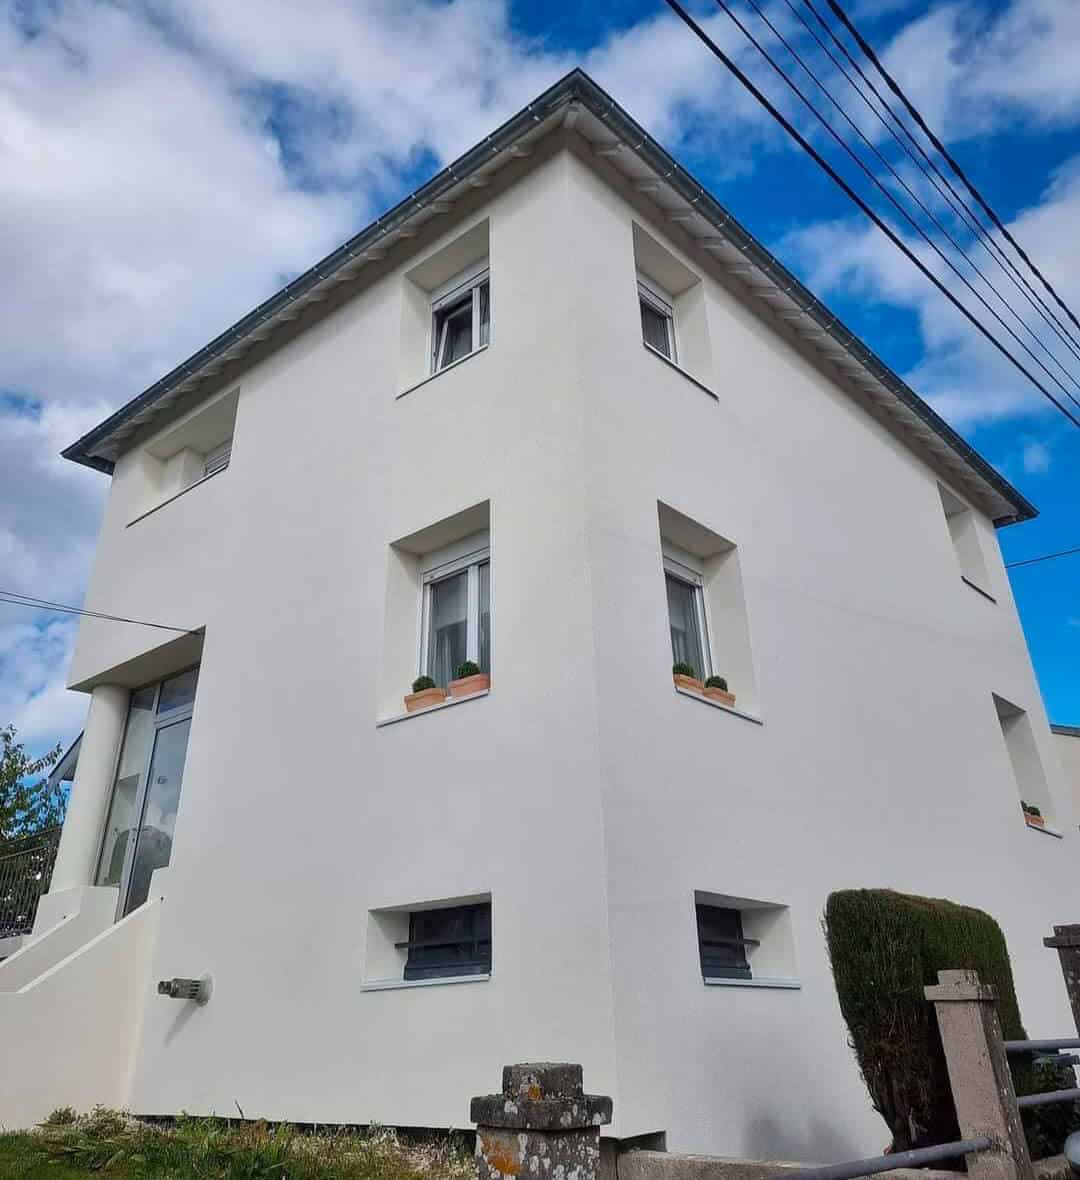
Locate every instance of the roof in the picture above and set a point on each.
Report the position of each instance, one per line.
(577, 103)
(1066, 730)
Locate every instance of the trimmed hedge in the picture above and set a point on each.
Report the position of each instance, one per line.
(885, 947)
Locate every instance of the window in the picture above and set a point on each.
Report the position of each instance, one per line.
(461, 320)
(686, 616)
(217, 459)
(721, 943)
(657, 319)
(743, 942)
(457, 617)
(1027, 768)
(449, 942)
(963, 531)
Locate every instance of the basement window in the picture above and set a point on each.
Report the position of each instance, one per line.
(721, 943)
(447, 943)
(431, 942)
(743, 942)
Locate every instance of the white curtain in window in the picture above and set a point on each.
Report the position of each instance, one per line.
(686, 645)
(448, 627)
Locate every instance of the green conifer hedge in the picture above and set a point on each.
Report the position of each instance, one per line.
(885, 948)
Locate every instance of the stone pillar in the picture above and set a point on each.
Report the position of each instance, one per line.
(979, 1074)
(1066, 942)
(541, 1125)
(80, 841)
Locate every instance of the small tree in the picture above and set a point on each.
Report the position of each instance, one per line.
(27, 803)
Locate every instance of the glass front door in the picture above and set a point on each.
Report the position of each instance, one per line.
(146, 794)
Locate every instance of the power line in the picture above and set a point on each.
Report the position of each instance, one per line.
(13, 599)
(842, 16)
(911, 193)
(956, 202)
(1011, 565)
(897, 241)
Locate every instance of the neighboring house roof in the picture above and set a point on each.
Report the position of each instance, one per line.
(1066, 730)
(64, 770)
(577, 102)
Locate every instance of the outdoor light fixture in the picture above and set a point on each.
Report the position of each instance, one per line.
(186, 989)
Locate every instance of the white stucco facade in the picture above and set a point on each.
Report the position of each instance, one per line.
(583, 795)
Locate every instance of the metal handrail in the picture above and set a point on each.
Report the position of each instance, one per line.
(1045, 1099)
(26, 865)
(916, 1158)
(1042, 1046)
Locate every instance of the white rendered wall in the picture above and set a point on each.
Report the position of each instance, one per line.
(1068, 748)
(586, 797)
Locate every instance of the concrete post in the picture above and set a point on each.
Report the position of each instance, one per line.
(1066, 942)
(979, 1074)
(92, 789)
(541, 1125)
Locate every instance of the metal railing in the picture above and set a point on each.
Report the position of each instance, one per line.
(1049, 1049)
(26, 866)
(918, 1157)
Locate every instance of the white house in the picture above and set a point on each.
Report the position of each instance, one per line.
(556, 413)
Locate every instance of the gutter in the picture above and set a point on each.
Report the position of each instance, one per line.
(575, 86)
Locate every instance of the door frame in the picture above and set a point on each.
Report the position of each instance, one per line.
(138, 813)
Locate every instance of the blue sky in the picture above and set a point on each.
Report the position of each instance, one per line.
(167, 165)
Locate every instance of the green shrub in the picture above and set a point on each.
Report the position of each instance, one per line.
(885, 947)
(681, 669)
(716, 682)
(62, 1116)
(422, 682)
(1031, 809)
(468, 668)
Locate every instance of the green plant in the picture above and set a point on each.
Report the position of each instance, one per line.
(716, 682)
(62, 1116)
(885, 947)
(681, 669)
(1031, 809)
(421, 683)
(1047, 1127)
(467, 668)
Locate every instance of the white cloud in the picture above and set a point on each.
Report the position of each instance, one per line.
(1035, 457)
(968, 382)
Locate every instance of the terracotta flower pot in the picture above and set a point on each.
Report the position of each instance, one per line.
(468, 685)
(1034, 821)
(719, 694)
(424, 699)
(687, 682)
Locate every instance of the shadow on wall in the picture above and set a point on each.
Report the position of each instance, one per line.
(815, 1141)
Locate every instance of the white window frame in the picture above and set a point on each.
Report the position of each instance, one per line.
(217, 458)
(693, 578)
(468, 281)
(662, 304)
(471, 561)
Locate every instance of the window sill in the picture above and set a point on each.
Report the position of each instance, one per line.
(444, 369)
(391, 985)
(685, 692)
(978, 589)
(679, 369)
(176, 496)
(1045, 829)
(782, 984)
(449, 703)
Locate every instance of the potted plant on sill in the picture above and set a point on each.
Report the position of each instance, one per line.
(683, 675)
(1033, 815)
(469, 680)
(425, 693)
(716, 690)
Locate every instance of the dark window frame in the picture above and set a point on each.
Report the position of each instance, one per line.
(448, 942)
(721, 943)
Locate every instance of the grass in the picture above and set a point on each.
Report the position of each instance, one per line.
(118, 1147)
